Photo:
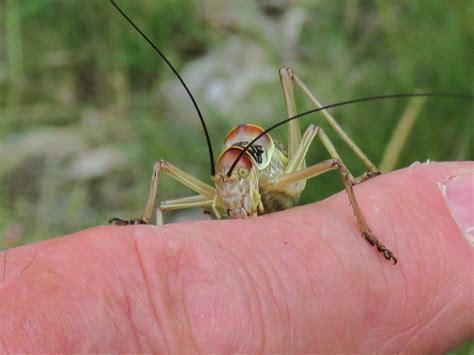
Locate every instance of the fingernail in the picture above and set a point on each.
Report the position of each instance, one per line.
(459, 193)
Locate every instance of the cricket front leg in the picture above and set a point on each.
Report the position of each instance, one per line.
(181, 176)
(181, 203)
(286, 180)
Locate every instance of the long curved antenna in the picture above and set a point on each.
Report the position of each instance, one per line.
(208, 139)
(343, 103)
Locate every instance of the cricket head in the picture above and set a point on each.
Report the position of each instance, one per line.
(235, 191)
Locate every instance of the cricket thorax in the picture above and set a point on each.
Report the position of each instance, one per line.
(272, 200)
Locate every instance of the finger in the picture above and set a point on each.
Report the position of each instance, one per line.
(321, 287)
(300, 280)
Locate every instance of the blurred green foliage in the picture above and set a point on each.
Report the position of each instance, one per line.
(86, 106)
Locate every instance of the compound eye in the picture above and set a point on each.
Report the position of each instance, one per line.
(243, 172)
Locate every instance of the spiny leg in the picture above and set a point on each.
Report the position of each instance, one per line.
(295, 172)
(181, 176)
(363, 227)
(288, 180)
(373, 171)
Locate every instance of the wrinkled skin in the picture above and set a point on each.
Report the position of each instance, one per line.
(302, 280)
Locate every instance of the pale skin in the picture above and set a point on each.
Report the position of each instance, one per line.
(293, 281)
(293, 179)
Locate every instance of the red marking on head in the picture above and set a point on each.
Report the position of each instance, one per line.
(227, 158)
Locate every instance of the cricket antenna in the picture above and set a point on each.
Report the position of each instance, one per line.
(201, 118)
(343, 103)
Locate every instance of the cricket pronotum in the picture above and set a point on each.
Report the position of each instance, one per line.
(254, 174)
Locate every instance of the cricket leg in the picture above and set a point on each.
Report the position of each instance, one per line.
(177, 174)
(373, 171)
(288, 179)
(294, 132)
(181, 203)
(311, 132)
(288, 182)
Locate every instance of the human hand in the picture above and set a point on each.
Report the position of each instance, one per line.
(302, 280)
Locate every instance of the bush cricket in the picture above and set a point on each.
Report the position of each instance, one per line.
(254, 174)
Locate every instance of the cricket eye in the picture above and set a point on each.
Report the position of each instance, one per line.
(243, 172)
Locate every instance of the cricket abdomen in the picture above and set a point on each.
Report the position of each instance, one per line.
(277, 201)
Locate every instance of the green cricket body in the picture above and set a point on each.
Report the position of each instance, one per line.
(247, 191)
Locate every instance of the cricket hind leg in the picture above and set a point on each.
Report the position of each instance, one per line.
(372, 169)
(294, 131)
(203, 189)
(292, 176)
